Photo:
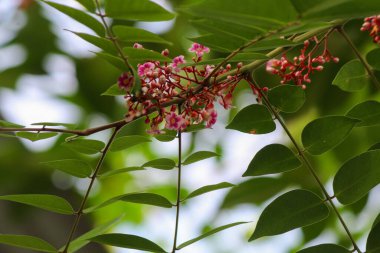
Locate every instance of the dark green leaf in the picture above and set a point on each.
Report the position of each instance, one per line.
(73, 167)
(373, 242)
(43, 201)
(101, 43)
(327, 248)
(357, 177)
(169, 135)
(140, 55)
(218, 42)
(373, 58)
(270, 44)
(89, 4)
(274, 158)
(128, 241)
(85, 146)
(368, 112)
(287, 98)
(4, 123)
(80, 16)
(242, 57)
(198, 156)
(27, 242)
(133, 34)
(255, 119)
(125, 142)
(114, 90)
(209, 233)
(194, 128)
(119, 171)
(161, 163)
(140, 198)
(294, 209)
(115, 61)
(325, 133)
(351, 77)
(209, 188)
(35, 136)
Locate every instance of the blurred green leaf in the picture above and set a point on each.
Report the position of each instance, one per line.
(327, 248)
(351, 77)
(373, 58)
(294, 209)
(4, 123)
(269, 44)
(287, 98)
(209, 188)
(141, 55)
(325, 133)
(35, 136)
(100, 42)
(27, 242)
(161, 163)
(169, 135)
(264, 162)
(119, 171)
(67, 125)
(47, 202)
(85, 146)
(89, 4)
(367, 112)
(73, 167)
(114, 90)
(357, 177)
(133, 34)
(198, 156)
(126, 142)
(254, 119)
(373, 242)
(114, 61)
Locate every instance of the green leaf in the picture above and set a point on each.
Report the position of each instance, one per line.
(218, 42)
(209, 233)
(287, 98)
(368, 112)
(143, 10)
(114, 90)
(294, 209)
(128, 241)
(325, 133)
(125, 142)
(82, 240)
(198, 156)
(161, 163)
(194, 128)
(351, 77)
(85, 146)
(43, 201)
(327, 248)
(4, 123)
(80, 16)
(254, 191)
(35, 136)
(373, 242)
(255, 119)
(209, 188)
(373, 58)
(169, 135)
(274, 158)
(27, 242)
(115, 61)
(73, 167)
(270, 44)
(133, 34)
(140, 198)
(140, 55)
(357, 177)
(67, 125)
(241, 57)
(119, 171)
(89, 4)
(101, 43)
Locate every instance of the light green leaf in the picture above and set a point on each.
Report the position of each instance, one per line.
(140, 198)
(133, 34)
(115, 61)
(325, 133)
(373, 58)
(368, 112)
(119, 171)
(274, 158)
(351, 77)
(125, 142)
(67, 125)
(287, 98)
(47, 202)
(294, 209)
(27, 242)
(255, 119)
(101, 43)
(89, 4)
(128, 241)
(85, 146)
(80, 16)
(209, 233)
(161, 163)
(114, 90)
(169, 135)
(73, 167)
(4, 123)
(140, 55)
(373, 242)
(198, 156)
(327, 248)
(194, 128)
(357, 177)
(35, 136)
(209, 188)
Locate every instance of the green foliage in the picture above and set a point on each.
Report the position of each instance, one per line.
(198, 156)
(367, 112)
(27, 242)
(160, 163)
(209, 188)
(35, 136)
(126, 142)
(373, 244)
(85, 146)
(287, 98)
(373, 58)
(73, 167)
(331, 248)
(133, 34)
(351, 77)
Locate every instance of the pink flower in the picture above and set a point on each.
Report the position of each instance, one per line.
(209, 69)
(199, 49)
(125, 81)
(143, 69)
(174, 121)
(209, 115)
(177, 61)
(226, 101)
(137, 45)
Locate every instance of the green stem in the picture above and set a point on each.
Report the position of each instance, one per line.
(360, 57)
(79, 213)
(308, 165)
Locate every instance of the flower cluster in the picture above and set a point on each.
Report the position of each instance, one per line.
(165, 85)
(299, 69)
(372, 24)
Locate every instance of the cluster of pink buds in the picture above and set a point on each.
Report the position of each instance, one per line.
(165, 85)
(372, 24)
(299, 69)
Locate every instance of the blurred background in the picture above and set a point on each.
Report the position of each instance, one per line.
(47, 74)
